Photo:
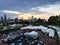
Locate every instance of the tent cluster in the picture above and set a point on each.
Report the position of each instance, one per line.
(33, 34)
(44, 29)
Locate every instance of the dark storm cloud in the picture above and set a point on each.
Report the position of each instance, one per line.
(24, 4)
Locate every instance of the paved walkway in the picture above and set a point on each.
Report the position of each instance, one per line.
(1, 43)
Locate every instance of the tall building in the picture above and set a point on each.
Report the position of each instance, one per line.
(2, 18)
(9, 19)
(32, 17)
(5, 18)
(16, 20)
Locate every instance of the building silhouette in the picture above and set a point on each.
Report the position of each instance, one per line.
(5, 18)
(32, 17)
(2, 18)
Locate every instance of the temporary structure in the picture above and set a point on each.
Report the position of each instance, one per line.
(43, 28)
(33, 34)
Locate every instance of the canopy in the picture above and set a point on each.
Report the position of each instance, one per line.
(51, 32)
(33, 34)
(44, 29)
(34, 27)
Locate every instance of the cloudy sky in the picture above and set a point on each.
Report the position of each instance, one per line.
(27, 8)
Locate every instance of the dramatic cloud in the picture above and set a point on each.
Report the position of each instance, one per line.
(49, 9)
(27, 8)
(11, 12)
(25, 15)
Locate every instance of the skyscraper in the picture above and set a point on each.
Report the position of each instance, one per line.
(32, 17)
(5, 18)
(2, 18)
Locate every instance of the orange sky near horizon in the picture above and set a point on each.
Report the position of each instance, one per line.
(28, 16)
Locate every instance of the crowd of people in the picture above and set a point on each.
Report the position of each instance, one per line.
(42, 38)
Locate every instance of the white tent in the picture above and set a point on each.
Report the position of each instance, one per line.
(33, 34)
(44, 29)
(27, 27)
(59, 34)
(51, 32)
(34, 27)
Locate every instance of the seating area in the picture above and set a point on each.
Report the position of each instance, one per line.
(10, 36)
(28, 36)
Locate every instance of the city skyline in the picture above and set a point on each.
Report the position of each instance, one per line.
(26, 8)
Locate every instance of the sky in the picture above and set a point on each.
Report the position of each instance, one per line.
(26, 8)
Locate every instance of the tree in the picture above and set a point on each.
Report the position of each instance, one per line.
(54, 20)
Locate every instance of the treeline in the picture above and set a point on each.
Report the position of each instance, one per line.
(54, 20)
